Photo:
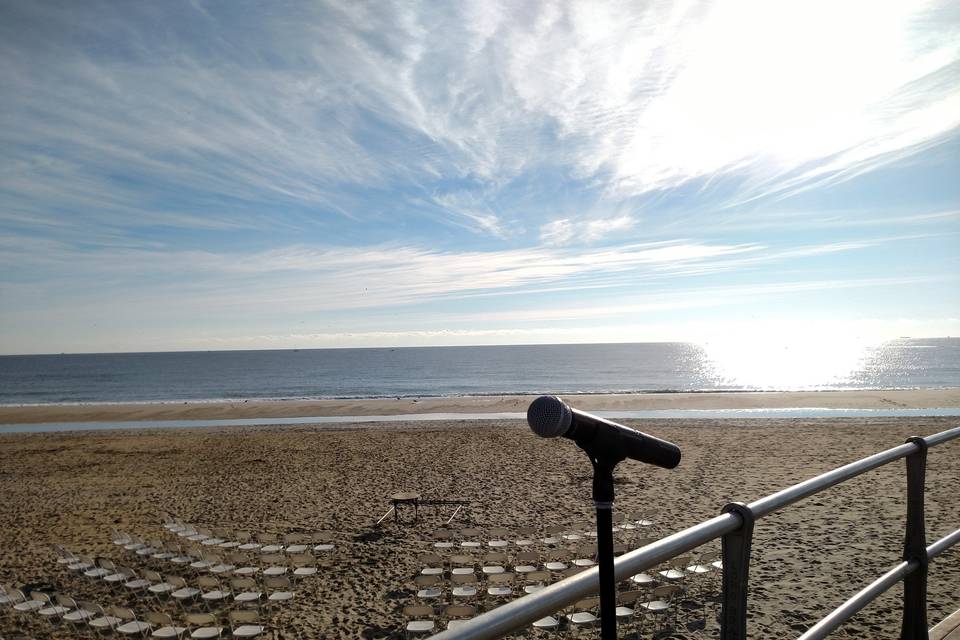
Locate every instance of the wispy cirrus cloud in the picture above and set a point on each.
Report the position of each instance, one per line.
(303, 279)
(565, 230)
(661, 298)
(308, 278)
(449, 107)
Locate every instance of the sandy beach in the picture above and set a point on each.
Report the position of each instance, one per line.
(71, 488)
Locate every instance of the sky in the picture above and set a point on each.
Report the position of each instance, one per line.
(185, 175)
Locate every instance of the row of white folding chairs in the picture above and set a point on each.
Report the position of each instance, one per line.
(459, 588)
(525, 538)
(86, 614)
(214, 593)
(554, 559)
(424, 619)
(243, 540)
(230, 563)
(266, 543)
(577, 530)
(209, 588)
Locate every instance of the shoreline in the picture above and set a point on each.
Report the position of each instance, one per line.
(653, 401)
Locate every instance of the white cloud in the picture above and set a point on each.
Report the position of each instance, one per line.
(630, 97)
(302, 278)
(661, 299)
(557, 232)
(566, 231)
(472, 213)
(597, 229)
(392, 283)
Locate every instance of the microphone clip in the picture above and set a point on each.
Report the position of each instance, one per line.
(603, 481)
(598, 451)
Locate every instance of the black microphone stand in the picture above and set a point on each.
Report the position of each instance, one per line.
(603, 501)
(606, 444)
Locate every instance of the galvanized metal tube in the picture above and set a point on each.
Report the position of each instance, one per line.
(863, 597)
(780, 499)
(943, 544)
(943, 436)
(523, 611)
(866, 595)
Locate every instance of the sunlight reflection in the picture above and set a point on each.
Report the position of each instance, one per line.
(787, 364)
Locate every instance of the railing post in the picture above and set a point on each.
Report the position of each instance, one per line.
(914, 625)
(736, 570)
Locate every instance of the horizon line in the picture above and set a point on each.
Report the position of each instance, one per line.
(434, 346)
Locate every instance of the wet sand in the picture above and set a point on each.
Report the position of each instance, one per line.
(881, 399)
(71, 488)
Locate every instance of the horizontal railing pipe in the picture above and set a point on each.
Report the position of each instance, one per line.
(773, 502)
(939, 438)
(865, 596)
(769, 504)
(943, 544)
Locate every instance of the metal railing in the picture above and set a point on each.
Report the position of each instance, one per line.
(735, 527)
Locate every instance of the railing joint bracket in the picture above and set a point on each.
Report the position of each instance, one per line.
(920, 441)
(747, 518)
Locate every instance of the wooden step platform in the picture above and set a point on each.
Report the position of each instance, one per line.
(948, 629)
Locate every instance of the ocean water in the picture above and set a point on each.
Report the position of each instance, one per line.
(486, 370)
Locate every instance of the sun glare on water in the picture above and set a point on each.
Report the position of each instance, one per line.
(786, 364)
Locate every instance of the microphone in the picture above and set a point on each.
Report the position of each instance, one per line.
(549, 417)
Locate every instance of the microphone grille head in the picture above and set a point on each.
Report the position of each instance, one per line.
(549, 416)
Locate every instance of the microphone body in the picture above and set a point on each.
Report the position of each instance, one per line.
(549, 417)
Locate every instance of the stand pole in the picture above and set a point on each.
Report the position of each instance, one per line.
(603, 500)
